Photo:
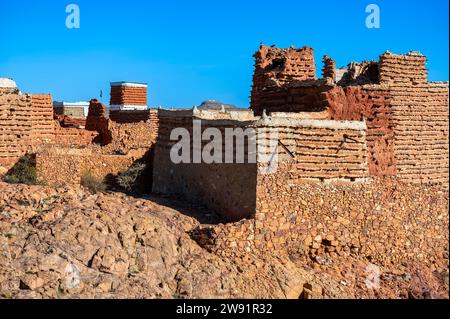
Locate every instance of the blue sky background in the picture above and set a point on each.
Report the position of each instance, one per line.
(190, 51)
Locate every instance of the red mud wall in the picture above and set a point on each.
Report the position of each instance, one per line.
(372, 103)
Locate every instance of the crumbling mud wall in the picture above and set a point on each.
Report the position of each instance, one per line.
(275, 67)
(123, 94)
(322, 150)
(371, 103)
(406, 116)
(385, 221)
(298, 96)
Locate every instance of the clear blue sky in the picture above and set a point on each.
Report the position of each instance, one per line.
(190, 51)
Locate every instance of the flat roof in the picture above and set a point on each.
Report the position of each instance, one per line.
(70, 104)
(128, 83)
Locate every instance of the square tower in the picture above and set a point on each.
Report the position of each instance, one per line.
(128, 96)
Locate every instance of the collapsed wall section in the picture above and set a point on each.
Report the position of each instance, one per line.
(275, 67)
(371, 103)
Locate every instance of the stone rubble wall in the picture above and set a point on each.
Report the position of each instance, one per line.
(385, 221)
(58, 166)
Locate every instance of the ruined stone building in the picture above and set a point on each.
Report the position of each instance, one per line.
(344, 146)
(406, 116)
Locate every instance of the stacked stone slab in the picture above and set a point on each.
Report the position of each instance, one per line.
(385, 221)
(329, 68)
(42, 115)
(128, 96)
(420, 116)
(15, 126)
(133, 116)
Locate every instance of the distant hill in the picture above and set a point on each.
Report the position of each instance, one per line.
(216, 105)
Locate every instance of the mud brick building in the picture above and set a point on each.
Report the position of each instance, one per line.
(406, 116)
(317, 150)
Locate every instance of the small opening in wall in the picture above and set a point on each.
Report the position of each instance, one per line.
(278, 64)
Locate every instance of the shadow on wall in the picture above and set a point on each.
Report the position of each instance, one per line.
(23, 172)
(137, 179)
(227, 189)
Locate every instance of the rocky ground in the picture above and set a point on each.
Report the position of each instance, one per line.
(69, 243)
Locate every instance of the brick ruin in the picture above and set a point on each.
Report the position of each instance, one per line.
(348, 145)
(66, 145)
(26, 121)
(406, 116)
